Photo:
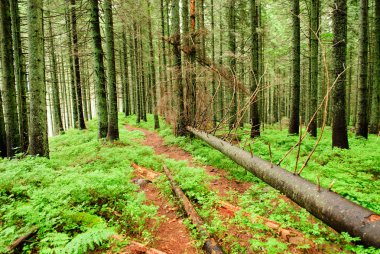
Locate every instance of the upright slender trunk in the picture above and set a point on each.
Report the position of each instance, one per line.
(374, 126)
(314, 35)
(255, 77)
(153, 71)
(339, 126)
(362, 117)
(8, 81)
(164, 61)
(74, 34)
(20, 75)
(100, 80)
(127, 102)
(74, 107)
(221, 88)
(58, 126)
(192, 56)
(113, 129)
(3, 138)
(232, 61)
(143, 78)
(295, 108)
(38, 117)
(213, 81)
(176, 40)
(137, 75)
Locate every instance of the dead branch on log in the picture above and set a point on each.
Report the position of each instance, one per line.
(210, 245)
(19, 241)
(339, 213)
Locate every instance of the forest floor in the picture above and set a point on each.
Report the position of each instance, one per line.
(93, 196)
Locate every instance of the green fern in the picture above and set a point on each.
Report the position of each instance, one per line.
(88, 240)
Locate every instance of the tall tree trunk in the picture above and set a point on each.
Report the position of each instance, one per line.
(375, 108)
(314, 35)
(213, 81)
(3, 138)
(143, 77)
(100, 80)
(176, 40)
(73, 101)
(127, 101)
(362, 118)
(221, 88)
(113, 128)
(232, 61)
(8, 81)
(255, 77)
(20, 75)
(164, 61)
(339, 126)
(38, 117)
(295, 108)
(58, 126)
(192, 56)
(153, 71)
(74, 34)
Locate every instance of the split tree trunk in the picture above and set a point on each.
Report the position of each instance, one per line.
(336, 211)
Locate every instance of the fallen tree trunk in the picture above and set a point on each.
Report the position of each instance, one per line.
(210, 245)
(21, 240)
(336, 211)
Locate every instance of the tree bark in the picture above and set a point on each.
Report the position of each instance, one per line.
(20, 75)
(374, 127)
(127, 101)
(232, 61)
(100, 80)
(38, 116)
(210, 245)
(113, 128)
(339, 126)
(58, 126)
(176, 41)
(314, 36)
(153, 71)
(362, 115)
(295, 101)
(255, 77)
(3, 138)
(74, 34)
(8, 81)
(336, 211)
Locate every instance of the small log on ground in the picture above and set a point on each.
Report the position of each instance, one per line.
(146, 173)
(336, 211)
(21, 240)
(210, 245)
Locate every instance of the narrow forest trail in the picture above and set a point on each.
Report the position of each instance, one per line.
(226, 189)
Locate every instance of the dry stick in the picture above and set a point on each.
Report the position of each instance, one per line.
(210, 245)
(299, 148)
(22, 239)
(331, 185)
(270, 154)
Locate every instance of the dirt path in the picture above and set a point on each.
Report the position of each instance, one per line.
(219, 183)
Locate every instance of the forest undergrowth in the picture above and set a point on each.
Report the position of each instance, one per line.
(83, 196)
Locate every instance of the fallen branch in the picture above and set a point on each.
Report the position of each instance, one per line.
(290, 235)
(336, 211)
(19, 241)
(210, 245)
(146, 173)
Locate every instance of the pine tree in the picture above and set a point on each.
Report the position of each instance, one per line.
(113, 129)
(232, 60)
(339, 126)
(3, 140)
(176, 41)
(255, 77)
(100, 80)
(8, 81)
(362, 114)
(375, 108)
(38, 117)
(295, 101)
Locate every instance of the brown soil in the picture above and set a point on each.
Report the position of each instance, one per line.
(220, 183)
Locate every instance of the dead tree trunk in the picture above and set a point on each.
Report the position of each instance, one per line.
(210, 245)
(336, 211)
